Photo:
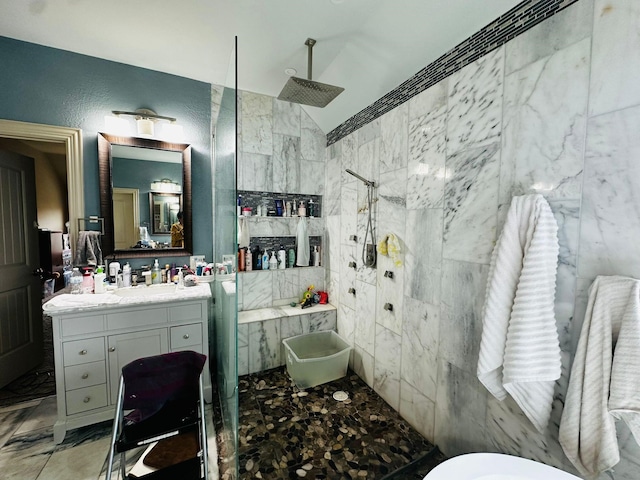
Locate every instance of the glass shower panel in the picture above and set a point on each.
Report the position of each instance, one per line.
(225, 243)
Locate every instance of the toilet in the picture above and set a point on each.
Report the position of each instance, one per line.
(495, 466)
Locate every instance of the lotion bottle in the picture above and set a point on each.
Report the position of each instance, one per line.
(126, 275)
(265, 260)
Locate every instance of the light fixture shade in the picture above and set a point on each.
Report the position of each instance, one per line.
(145, 127)
(166, 186)
(172, 132)
(117, 125)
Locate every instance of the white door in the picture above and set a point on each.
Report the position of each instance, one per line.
(21, 347)
(126, 215)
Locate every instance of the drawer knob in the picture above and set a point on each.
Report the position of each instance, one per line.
(112, 349)
(86, 399)
(85, 376)
(83, 352)
(185, 336)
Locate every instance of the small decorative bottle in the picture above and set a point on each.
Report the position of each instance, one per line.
(302, 211)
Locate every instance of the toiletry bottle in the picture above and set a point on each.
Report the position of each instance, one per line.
(316, 256)
(273, 262)
(167, 271)
(265, 260)
(114, 268)
(312, 208)
(239, 207)
(288, 209)
(98, 280)
(126, 275)
(87, 281)
(294, 209)
(302, 210)
(180, 278)
(76, 281)
(257, 257)
(241, 259)
(156, 274)
(292, 257)
(248, 259)
(282, 258)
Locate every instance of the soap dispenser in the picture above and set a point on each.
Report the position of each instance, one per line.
(156, 275)
(273, 262)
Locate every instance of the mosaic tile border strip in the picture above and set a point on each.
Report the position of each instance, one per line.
(516, 21)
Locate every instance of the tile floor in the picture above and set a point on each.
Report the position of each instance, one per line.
(27, 451)
(288, 433)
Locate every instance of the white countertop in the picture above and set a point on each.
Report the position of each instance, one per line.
(68, 303)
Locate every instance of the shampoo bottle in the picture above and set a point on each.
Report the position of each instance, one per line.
(265, 260)
(316, 257)
(282, 258)
(126, 275)
(292, 257)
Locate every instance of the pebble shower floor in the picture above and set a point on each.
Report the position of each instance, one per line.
(285, 432)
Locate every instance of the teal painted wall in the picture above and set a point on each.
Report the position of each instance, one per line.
(55, 87)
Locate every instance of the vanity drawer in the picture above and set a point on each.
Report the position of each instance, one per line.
(186, 336)
(189, 311)
(87, 398)
(82, 325)
(136, 318)
(83, 351)
(85, 375)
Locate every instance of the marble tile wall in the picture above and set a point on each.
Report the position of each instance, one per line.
(554, 111)
(260, 334)
(280, 150)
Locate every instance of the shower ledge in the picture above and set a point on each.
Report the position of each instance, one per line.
(270, 313)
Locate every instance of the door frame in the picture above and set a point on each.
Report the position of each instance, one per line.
(134, 193)
(72, 138)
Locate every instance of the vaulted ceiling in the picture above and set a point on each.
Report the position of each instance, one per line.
(366, 46)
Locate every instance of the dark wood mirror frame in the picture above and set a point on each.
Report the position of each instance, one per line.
(106, 195)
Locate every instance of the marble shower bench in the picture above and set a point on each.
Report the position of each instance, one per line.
(260, 333)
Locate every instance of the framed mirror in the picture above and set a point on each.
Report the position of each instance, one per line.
(145, 185)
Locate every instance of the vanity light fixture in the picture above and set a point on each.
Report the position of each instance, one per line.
(145, 125)
(165, 186)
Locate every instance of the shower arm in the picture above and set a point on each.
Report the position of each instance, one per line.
(309, 43)
(368, 183)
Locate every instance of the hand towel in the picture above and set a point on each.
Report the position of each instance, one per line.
(244, 237)
(605, 377)
(520, 350)
(88, 250)
(389, 246)
(67, 300)
(302, 244)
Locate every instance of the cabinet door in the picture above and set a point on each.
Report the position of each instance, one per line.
(127, 347)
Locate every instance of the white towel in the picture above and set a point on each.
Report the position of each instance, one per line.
(600, 374)
(66, 301)
(302, 244)
(244, 237)
(520, 350)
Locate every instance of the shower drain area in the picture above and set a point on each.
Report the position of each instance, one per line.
(340, 396)
(340, 429)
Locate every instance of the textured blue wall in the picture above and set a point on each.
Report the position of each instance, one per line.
(55, 87)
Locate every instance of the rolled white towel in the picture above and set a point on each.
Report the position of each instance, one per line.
(520, 350)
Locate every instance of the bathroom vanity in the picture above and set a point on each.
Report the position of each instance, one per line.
(93, 341)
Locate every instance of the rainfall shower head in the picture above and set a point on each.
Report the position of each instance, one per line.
(368, 183)
(306, 91)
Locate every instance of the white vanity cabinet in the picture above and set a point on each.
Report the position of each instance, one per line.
(92, 346)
